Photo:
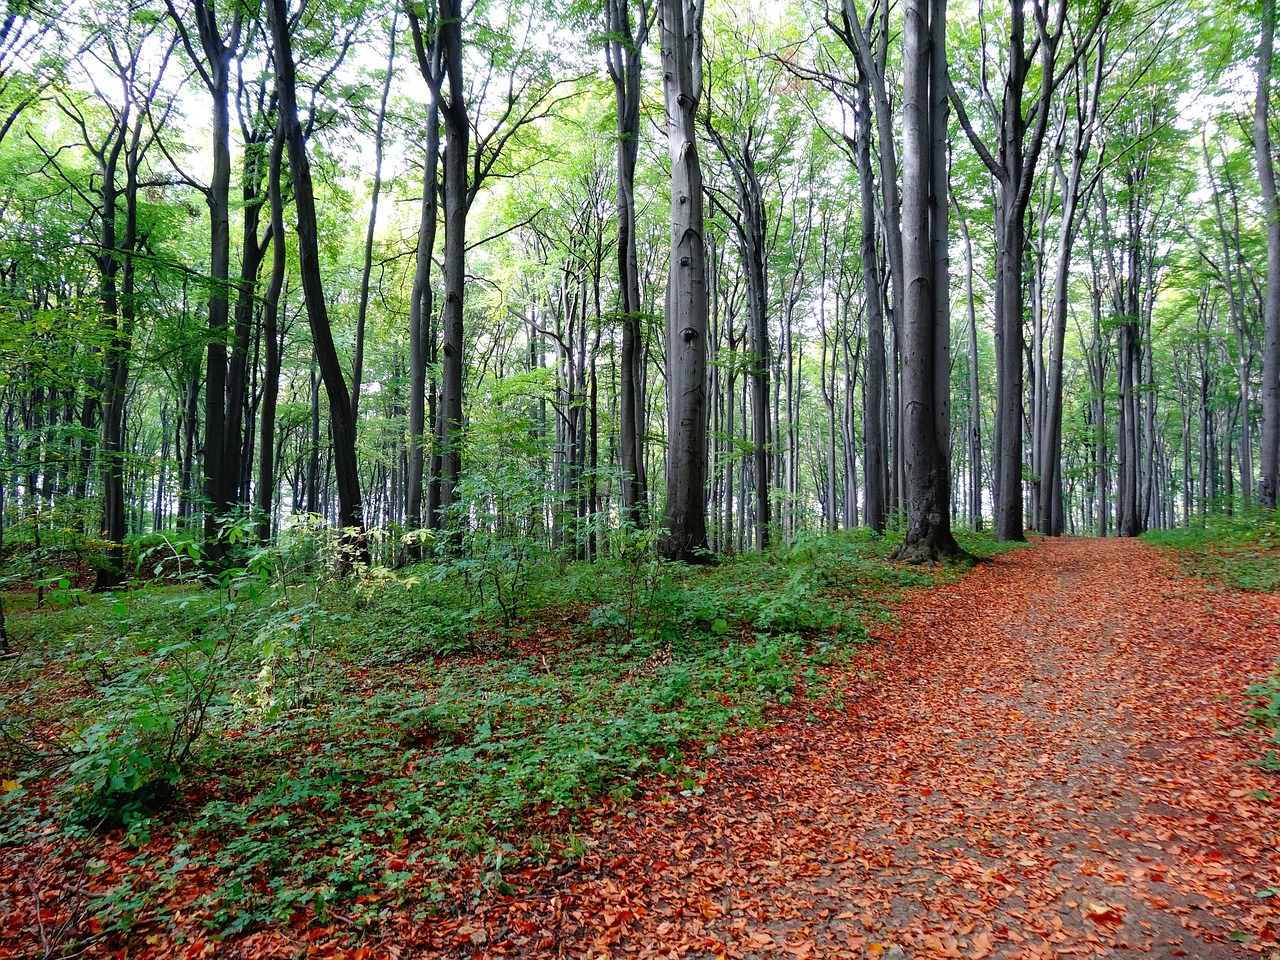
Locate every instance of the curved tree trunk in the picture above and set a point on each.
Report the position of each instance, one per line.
(271, 336)
(341, 423)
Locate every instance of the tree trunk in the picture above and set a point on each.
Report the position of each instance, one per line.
(623, 50)
(421, 299)
(457, 131)
(925, 330)
(362, 309)
(341, 422)
(1269, 459)
(874, 461)
(686, 300)
(273, 344)
(221, 462)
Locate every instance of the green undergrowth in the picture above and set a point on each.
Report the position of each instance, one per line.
(1240, 552)
(308, 742)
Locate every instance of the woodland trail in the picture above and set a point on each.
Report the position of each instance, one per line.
(1044, 760)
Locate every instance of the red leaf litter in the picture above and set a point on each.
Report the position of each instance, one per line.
(1048, 759)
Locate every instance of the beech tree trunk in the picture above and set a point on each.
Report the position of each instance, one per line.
(421, 298)
(623, 50)
(1051, 520)
(925, 328)
(362, 309)
(874, 460)
(272, 340)
(686, 300)
(457, 131)
(341, 422)
(1269, 459)
(221, 464)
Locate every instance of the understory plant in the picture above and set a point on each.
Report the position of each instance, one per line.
(307, 741)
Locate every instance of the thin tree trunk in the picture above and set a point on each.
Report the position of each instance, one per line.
(623, 50)
(1269, 459)
(362, 310)
(273, 344)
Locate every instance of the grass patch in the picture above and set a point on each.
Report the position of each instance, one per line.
(353, 742)
(1241, 552)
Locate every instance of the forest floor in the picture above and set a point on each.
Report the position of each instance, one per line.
(1049, 758)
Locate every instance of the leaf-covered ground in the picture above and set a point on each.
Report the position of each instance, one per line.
(1050, 758)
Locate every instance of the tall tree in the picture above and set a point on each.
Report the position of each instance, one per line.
(1072, 190)
(1269, 461)
(868, 41)
(926, 326)
(212, 53)
(624, 47)
(1020, 135)
(686, 302)
(752, 135)
(131, 53)
(428, 48)
(341, 422)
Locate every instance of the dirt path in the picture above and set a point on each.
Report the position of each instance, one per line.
(1042, 761)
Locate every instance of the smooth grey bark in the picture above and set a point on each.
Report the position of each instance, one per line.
(1269, 459)
(1019, 139)
(1125, 278)
(869, 44)
(623, 50)
(1232, 274)
(974, 432)
(926, 328)
(457, 137)
(1072, 191)
(875, 461)
(747, 214)
(341, 422)
(685, 537)
(114, 260)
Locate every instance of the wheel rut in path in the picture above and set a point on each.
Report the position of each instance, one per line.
(1044, 760)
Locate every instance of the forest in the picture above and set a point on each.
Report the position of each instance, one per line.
(532, 395)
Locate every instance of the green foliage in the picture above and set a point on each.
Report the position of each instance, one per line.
(302, 744)
(1241, 552)
(1266, 714)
